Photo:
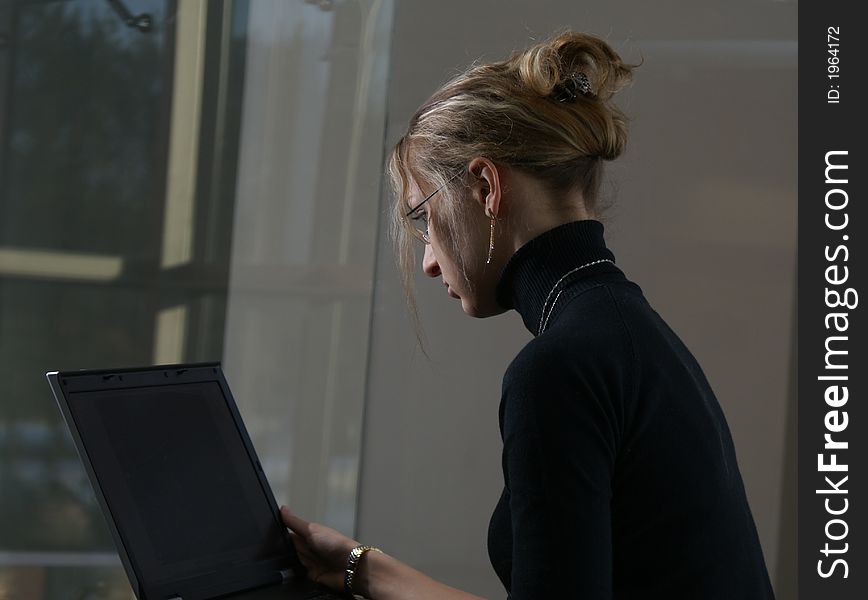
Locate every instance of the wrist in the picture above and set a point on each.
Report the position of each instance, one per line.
(358, 574)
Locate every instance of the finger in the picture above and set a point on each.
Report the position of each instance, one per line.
(290, 518)
(296, 523)
(301, 548)
(299, 541)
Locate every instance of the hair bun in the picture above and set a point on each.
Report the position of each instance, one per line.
(550, 68)
(574, 85)
(581, 72)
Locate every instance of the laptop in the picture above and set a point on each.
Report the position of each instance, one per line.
(177, 478)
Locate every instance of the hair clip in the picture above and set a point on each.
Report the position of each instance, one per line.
(574, 84)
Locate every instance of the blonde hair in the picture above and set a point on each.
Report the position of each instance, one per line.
(515, 113)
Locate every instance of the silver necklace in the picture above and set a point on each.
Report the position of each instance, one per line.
(544, 316)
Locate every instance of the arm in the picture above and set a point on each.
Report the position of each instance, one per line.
(560, 439)
(324, 551)
(385, 578)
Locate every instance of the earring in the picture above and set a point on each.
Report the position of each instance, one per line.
(490, 240)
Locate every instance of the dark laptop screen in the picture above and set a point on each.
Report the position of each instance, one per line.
(177, 478)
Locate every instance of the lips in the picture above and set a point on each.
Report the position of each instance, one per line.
(450, 292)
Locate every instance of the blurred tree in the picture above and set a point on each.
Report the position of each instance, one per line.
(83, 171)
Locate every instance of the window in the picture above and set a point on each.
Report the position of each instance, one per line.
(206, 190)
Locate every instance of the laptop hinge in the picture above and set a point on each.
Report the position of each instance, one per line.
(175, 598)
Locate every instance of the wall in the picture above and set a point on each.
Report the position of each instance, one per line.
(704, 221)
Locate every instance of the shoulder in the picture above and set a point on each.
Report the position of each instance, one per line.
(585, 364)
(542, 361)
(589, 334)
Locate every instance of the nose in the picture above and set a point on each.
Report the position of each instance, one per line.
(429, 263)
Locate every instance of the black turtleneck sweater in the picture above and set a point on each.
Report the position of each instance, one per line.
(621, 478)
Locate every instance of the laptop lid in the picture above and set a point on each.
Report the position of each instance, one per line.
(177, 478)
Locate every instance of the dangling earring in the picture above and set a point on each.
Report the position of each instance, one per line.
(490, 239)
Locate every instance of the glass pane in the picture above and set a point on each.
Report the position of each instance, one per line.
(83, 128)
(304, 243)
(84, 123)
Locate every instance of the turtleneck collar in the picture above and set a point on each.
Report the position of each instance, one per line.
(535, 268)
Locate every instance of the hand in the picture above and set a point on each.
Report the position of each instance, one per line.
(322, 550)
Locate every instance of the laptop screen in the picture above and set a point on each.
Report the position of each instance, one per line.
(177, 478)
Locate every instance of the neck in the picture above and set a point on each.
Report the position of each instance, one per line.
(557, 257)
(529, 201)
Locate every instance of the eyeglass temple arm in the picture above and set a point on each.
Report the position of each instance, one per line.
(431, 195)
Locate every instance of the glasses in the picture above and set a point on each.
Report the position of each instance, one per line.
(420, 220)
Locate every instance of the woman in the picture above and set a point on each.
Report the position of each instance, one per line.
(620, 474)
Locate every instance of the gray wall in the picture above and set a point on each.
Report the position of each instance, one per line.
(704, 221)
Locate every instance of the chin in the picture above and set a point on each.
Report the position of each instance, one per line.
(481, 312)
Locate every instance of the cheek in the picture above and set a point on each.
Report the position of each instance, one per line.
(440, 246)
(457, 258)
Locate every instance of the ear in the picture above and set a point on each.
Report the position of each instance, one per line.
(487, 188)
